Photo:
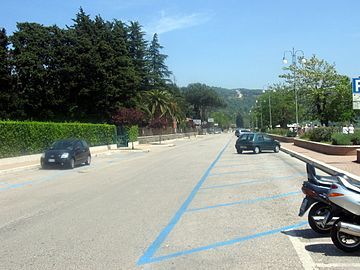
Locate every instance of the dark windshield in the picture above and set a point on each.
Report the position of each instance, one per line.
(246, 137)
(63, 145)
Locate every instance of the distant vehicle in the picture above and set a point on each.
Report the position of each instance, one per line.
(210, 130)
(66, 153)
(217, 130)
(256, 142)
(240, 131)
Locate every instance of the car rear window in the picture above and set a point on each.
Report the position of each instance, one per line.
(246, 137)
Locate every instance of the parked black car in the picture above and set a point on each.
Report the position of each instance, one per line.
(256, 142)
(66, 153)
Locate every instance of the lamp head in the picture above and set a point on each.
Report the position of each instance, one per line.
(285, 61)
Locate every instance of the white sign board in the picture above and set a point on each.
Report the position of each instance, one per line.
(197, 122)
(211, 120)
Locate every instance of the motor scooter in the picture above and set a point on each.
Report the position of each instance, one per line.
(315, 189)
(345, 203)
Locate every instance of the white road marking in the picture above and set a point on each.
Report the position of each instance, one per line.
(338, 265)
(304, 256)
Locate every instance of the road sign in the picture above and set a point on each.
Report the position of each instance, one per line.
(211, 120)
(356, 85)
(356, 93)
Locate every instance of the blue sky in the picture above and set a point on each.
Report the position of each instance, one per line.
(225, 43)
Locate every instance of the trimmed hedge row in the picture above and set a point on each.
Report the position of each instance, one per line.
(23, 138)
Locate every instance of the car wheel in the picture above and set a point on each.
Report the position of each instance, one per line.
(257, 150)
(72, 163)
(88, 161)
(43, 165)
(239, 151)
(276, 149)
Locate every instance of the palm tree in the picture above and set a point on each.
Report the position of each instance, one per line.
(159, 103)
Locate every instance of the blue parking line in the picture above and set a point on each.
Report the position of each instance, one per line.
(16, 185)
(261, 199)
(254, 181)
(147, 256)
(221, 244)
(228, 173)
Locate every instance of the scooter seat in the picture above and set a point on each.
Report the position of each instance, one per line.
(319, 180)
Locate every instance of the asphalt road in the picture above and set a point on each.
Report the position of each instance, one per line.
(195, 205)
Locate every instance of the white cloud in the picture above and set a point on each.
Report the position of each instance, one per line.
(171, 23)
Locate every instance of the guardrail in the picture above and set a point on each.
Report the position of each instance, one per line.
(320, 165)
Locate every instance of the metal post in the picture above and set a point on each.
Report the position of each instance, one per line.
(303, 60)
(270, 111)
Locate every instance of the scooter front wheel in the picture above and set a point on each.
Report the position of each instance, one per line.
(319, 210)
(344, 241)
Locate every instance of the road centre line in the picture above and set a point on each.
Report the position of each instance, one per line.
(261, 199)
(149, 253)
(220, 244)
(276, 178)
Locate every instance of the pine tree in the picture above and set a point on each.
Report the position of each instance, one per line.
(137, 47)
(5, 77)
(159, 72)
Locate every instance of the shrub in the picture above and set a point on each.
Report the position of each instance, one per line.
(133, 133)
(355, 137)
(19, 138)
(321, 134)
(341, 139)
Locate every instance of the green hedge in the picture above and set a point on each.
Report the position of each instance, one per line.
(320, 134)
(346, 139)
(341, 139)
(22, 138)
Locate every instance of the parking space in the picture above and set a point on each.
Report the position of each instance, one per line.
(245, 200)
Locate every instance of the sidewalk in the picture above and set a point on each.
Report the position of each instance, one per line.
(341, 164)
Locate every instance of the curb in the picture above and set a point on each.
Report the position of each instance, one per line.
(37, 163)
(318, 164)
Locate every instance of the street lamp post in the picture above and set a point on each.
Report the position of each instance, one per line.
(294, 54)
(270, 117)
(261, 116)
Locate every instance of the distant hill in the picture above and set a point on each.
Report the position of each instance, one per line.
(239, 100)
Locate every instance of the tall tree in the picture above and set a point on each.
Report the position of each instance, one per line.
(202, 99)
(322, 92)
(137, 47)
(158, 71)
(32, 60)
(6, 97)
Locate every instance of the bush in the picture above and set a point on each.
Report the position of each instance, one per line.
(320, 134)
(355, 137)
(341, 139)
(133, 133)
(20, 138)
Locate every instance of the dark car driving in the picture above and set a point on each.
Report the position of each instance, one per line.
(66, 153)
(256, 142)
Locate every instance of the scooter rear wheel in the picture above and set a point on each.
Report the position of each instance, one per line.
(344, 241)
(319, 209)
